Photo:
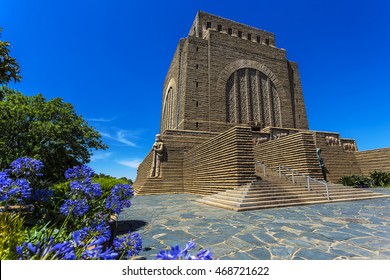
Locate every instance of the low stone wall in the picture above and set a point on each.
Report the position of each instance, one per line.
(338, 159)
(176, 143)
(296, 151)
(223, 162)
(374, 160)
(143, 170)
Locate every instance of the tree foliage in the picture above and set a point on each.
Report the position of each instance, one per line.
(9, 68)
(50, 131)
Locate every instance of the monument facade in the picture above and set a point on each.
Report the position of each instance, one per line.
(232, 98)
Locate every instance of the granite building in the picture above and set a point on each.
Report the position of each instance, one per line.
(226, 73)
(231, 98)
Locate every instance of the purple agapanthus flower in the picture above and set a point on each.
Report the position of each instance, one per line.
(86, 188)
(99, 253)
(26, 167)
(66, 250)
(78, 207)
(79, 172)
(119, 198)
(18, 190)
(131, 244)
(176, 253)
(98, 232)
(39, 250)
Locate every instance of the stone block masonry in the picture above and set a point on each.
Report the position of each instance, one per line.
(374, 160)
(223, 162)
(296, 151)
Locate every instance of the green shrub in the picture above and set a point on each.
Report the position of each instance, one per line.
(380, 179)
(355, 180)
(59, 195)
(106, 184)
(12, 233)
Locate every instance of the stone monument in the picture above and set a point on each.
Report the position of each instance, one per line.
(232, 98)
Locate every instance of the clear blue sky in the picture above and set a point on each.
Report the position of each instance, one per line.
(109, 59)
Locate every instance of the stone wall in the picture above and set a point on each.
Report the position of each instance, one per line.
(337, 160)
(143, 171)
(176, 143)
(223, 162)
(296, 151)
(374, 160)
(174, 80)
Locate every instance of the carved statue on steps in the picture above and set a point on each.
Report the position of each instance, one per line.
(158, 152)
(322, 164)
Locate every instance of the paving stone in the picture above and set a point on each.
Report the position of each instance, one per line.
(334, 235)
(238, 256)
(301, 227)
(385, 253)
(210, 240)
(381, 234)
(260, 254)
(298, 243)
(355, 250)
(333, 225)
(239, 244)
(353, 232)
(282, 252)
(315, 255)
(316, 237)
(249, 238)
(265, 238)
(221, 250)
(371, 243)
(285, 235)
(188, 216)
(342, 254)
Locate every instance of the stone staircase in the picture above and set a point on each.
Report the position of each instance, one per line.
(272, 192)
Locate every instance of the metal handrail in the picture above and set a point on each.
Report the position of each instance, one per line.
(295, 174)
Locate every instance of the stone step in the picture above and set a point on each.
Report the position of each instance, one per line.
(285, 204)
(265, 197)
(268, 193)
(265, 191)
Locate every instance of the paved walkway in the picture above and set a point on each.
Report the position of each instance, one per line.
(344, 230)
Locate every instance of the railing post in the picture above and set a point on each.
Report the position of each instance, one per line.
(308, 183)
(280, 172)
(264, 170)
(292, 177)
(327, 190)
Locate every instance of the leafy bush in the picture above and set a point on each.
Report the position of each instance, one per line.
(376, 178)
(12, 233)
(355, 180)
(50, 130)
(106, 184)
(379, 178)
